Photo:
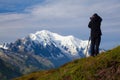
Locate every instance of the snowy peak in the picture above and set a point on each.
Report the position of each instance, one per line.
(68, 44)
(45, 35)
(41, 35)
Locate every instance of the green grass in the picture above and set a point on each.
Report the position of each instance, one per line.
(105, 66)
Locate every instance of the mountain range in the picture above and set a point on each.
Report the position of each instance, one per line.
(40, 51)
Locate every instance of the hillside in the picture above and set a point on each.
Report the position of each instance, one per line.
(105, 66)
(8, 71)
(15, 64)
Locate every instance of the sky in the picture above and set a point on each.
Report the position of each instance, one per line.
(18, 18)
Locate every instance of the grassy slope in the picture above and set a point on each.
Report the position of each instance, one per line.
(105, 66)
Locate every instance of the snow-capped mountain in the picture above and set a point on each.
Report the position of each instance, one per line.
(70, 45)
(51, 46)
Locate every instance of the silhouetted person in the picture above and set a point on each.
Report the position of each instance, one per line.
(94, 25)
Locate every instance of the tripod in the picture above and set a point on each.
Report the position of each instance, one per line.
(88, 45)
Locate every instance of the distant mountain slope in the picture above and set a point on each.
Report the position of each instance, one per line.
(105, 66)
(16, 64)
(8, 71)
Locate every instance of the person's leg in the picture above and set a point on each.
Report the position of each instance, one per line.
(92, 46)
(97, 44)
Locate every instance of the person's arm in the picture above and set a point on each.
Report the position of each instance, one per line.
(90, 24)
(100, 19)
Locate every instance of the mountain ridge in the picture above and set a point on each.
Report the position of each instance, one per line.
(70, 41)
(45, 37)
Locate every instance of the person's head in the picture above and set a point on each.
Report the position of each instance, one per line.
(94, 16)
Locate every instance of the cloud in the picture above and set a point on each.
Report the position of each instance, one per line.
(11, 17)
(58, 9)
